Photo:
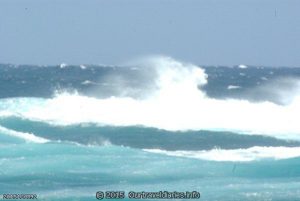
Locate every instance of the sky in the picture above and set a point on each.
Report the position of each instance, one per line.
(204, 32)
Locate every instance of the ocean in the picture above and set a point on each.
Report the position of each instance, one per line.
(154, 124)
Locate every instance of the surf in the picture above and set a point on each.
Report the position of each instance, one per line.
(175, 101)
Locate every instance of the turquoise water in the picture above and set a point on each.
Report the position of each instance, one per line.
(58, 171)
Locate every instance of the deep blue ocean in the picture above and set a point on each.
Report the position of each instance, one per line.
(157, 124)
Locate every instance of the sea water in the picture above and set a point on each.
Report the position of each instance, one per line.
(156, 124)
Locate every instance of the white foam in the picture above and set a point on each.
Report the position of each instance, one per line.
(63, 65)
(83, 67)
(25, 136)
(87, 82)
(250, 154)
(233, 87)
(177, 104)
(242, 66)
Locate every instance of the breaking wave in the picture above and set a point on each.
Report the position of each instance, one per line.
(250, 154)
(175, 102)
(28, 137)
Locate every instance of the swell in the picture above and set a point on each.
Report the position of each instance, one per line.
(142, 137)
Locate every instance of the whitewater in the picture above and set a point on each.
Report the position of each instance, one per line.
(155, 123)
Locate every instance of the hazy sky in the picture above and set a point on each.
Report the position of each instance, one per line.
(217, 32)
